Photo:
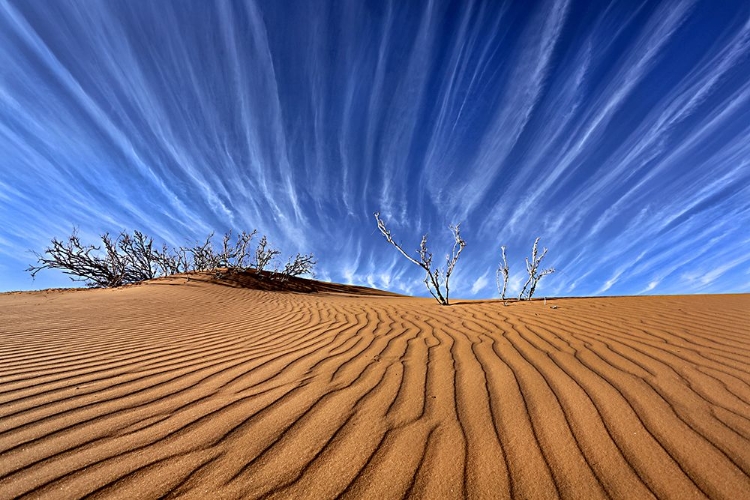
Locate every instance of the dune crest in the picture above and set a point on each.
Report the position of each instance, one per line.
(186, 387)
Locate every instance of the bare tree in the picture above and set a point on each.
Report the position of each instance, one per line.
(231, 255)
(203, 256)
(170, 261)
(132, 258)
(138, 252)
(436, 279)
(241, 249)
(264, 254)
(503, 271)
(235, 256)
(532, 268)
(299, 265)
(119, 264)
(83, 262)
(226, 253)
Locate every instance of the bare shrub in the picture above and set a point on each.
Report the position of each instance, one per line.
(132, 258)
(299, 265)
(170, 261)
(231, 255)
(236, 255)
(532, 268)
(503, 271)
(96, 266)
(436, 279)
(264, 254)
(203, 257)
(138, 253)
(117, 261)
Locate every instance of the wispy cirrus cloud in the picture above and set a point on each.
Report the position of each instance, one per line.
(615, 131)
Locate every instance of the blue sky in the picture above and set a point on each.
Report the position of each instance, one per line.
(617, 132)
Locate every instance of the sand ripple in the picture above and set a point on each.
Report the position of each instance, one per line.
(177, 388)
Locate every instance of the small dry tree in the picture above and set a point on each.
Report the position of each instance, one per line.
(436, 279)
(237, 255)
(502, 271)
(126, 258)
(138, 254)
(169, 261)
(117, 261)
(231, 255)
(532, 268)
(299, 265)
(264, 254)
(203, 256)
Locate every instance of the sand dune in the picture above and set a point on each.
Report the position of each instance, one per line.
(190, 388)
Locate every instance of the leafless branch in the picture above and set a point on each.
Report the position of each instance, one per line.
(503, 271)
(264, 254)
(132, 258)
(82, 262)
(532, 268)
(436, 279)
(299, 265)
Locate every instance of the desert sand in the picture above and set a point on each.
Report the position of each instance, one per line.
(192, 388)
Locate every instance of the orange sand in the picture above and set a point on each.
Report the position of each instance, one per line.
(187, 387)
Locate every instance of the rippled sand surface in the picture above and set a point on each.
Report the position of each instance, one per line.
(191, 388)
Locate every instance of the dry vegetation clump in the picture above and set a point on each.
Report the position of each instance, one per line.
(436, 279)
(131, 258)
(126, 259)
(532, 269)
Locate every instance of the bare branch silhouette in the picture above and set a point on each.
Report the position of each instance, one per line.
(133, 258)
(83, 262)
(503, 271)
(264, 254)
(299, 265)
(532, 268)
(436, 279)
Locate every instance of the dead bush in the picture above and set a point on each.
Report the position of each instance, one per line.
(133, 258)
(532, 268)
(436, 279)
